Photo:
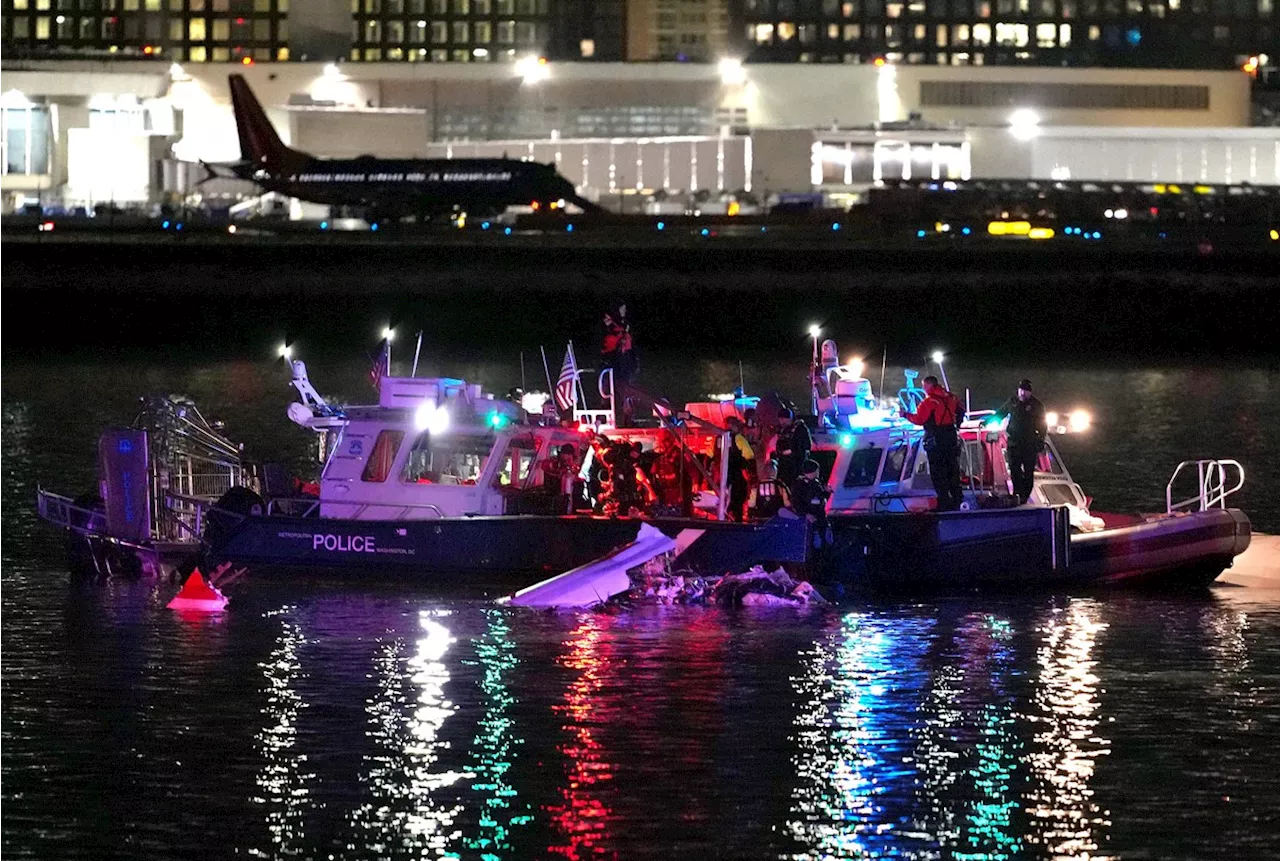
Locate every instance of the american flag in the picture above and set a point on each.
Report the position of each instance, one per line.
(565, 395)
(379, 369)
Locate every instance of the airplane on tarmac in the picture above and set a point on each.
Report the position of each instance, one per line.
(388, 188)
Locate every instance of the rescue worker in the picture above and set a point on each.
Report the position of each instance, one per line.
(561, 475)
(809, 500)
(939, 414)
(742, 462)
(793, 447)
(1026, 431)
(619, 356)
(769, 496)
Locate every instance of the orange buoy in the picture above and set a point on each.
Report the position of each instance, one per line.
(198, 595)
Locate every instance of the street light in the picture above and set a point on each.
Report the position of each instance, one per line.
(532, 69)
(732, 72)
(938, 358)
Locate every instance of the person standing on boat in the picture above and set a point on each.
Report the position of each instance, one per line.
(619, 355)
(809, 500)
(742, 462)
(794, 444)
(1026, 431)
(769, 496)
(939, 415)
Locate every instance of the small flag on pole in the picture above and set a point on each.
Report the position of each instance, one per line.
(566, 397)
(379, 369)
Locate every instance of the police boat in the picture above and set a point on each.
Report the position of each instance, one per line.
(883, 533)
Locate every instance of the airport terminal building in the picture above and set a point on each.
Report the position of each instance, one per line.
(84, 132)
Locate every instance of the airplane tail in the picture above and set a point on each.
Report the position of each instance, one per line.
(259, 143)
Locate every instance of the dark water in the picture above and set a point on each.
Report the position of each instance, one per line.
(316, 719)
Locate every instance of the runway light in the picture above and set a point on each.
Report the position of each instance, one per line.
(484, 225)
(835, 225)
(568, 228)
(662, 225)
(1275, 235)
(46, 227)
(507, 231)
(919, 234)
(1040, 233)
(1024, 124)
(705, 232)
(966, 231)
(324, 225)
(374, 227)
(178, 226)
(1079, 421)
(164, 225)
(1122, 214)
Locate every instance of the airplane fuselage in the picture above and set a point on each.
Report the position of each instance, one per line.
(418, 186)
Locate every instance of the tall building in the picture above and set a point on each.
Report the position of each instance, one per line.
(1089, 33)
(679, 31)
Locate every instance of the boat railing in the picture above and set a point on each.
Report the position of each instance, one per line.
(1215, 481)
(211, 485)
(64, 512)
(183, 517)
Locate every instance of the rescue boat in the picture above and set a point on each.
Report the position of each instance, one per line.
(443, 482)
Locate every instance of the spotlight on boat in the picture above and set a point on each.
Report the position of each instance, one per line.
(1051, 419)
(285, 351)
(938, 357)
(855, 367)
(430, 418)
(1079, 421)
(388, 334)
(815, 330)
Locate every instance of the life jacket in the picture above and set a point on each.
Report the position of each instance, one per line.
(943, 432)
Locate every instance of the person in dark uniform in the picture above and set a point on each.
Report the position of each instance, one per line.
(619, 356)
(1027, 431)
(793, 447)
(809, 500)
(939, 414)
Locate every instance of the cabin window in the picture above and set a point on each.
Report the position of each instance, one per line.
(378, 467)
(893, 463)
(1049, 462)
(864, 463)
(517, 463)
(447, 459)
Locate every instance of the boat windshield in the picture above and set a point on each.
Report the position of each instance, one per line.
(447, 458)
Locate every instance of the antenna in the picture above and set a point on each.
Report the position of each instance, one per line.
(884, 362)
(741, 382)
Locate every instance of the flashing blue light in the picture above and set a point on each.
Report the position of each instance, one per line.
(568, 228)
(705, 232)
(324, 225)
(1133, 37)
(484, 225)
(920, 234)
(507, 231)
(497, 421)
(178, 226)
(662, 225)
(846, 439)
(835, 225)
(966, 231)
(164, 225)
(374, 227)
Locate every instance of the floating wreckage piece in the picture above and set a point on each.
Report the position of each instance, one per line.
(598, 581)
(755, 587)
(198, 596)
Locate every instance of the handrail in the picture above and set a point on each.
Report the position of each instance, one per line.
(1211, 482)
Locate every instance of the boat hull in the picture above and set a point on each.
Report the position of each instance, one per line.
(1029, 548)
(474, 550)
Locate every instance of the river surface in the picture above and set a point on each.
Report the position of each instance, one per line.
(321, 719)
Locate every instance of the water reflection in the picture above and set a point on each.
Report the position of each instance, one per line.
(921, 738)
(582, 816)
(283, 781)
(857, 694)
(404, 814)
(494, 748)
(1065, 819)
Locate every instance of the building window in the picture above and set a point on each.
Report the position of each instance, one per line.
(506, 30)
(587, 48)
(483, 32)
(1046, 35)
(786, 31)
(439, 32)
(395, 32)
(195, 30)
(221, 30)
(982, 34)
(461, 32)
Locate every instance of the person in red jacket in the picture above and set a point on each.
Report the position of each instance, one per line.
(939, 415)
